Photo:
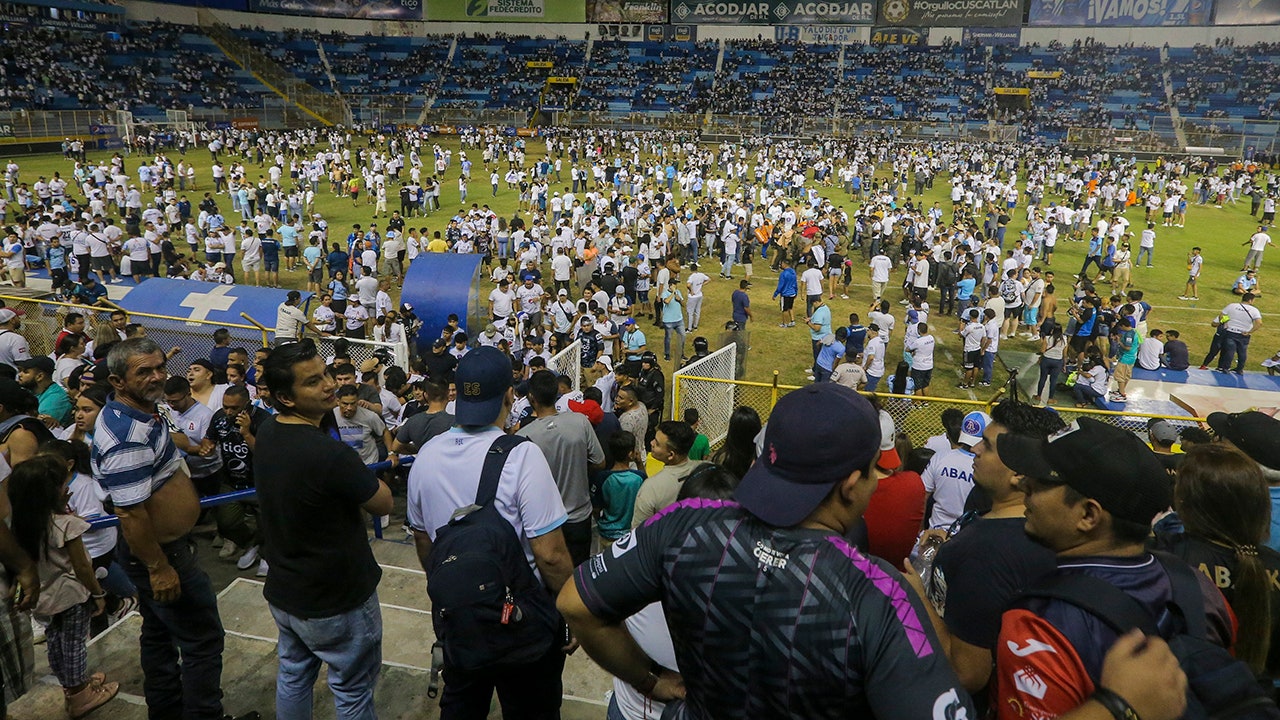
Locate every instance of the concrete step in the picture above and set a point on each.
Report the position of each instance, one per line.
(249, 659)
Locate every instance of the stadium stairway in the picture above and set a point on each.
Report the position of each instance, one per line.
(249, 658)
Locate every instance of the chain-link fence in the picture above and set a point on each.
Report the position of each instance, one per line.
(44, 319)
(918, 416)
(569, 362)
(361, 350)
(715, 401)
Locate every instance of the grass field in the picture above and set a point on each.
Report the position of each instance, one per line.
(1219, 232)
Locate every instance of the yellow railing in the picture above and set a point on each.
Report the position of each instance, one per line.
(917, 415)
(44, 319)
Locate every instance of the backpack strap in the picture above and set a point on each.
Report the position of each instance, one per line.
(1188, 598)
(494, 460)
(1098, 597)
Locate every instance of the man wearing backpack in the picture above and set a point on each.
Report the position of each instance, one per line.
(515, 532)
(1091, 492)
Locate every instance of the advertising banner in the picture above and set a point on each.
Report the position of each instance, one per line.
(951, 13)
(882, 36)
(1011, 91)
(820, 34)
(1247, 12)
(566, 11)
(776, 12)
(629, 32)
(374, 10)
(1121, 13)
(627, 11)
(1044, 74)
(992, 36)
(6, 130)
(244, 123)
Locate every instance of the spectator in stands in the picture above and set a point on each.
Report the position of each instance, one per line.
(671, 444)
(572, 450)
(136, 461)
(323, 586)
(37, 375)
(804, 477)
(1222, 500)
(1176, 354)
(1096, 487)
(987, 560)
(437, 488)
(13, 346)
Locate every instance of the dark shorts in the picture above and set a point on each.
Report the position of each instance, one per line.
(271, 265)
(102, 263)
(1013, 312)
(291, 252)
(1079, 342)
(972, 359)
(315, 276)
(139, 267)
(788, 302)
(922, 378)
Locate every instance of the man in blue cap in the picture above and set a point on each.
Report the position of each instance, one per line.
(774, 614)
(445, 479)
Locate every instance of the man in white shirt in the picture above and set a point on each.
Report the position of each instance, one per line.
(291, 322)
(501, 301)
(1242, 320)
(880, 266)
(873, 357)
(694, 302)
(1151, 351)
(527, 498)
(921, 349)
(1257, 243)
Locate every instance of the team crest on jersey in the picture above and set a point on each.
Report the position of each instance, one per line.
(949, 707)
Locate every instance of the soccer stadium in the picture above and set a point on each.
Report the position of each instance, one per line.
(430, 342)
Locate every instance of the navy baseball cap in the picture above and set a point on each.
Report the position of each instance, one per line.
(803, 459)
(482, 379)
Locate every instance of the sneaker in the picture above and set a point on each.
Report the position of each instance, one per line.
(228, 551)
(782, 325)
(247, 559)
(984, 384)
(844, 297)
(127, 605)
(1195, 297)
(90, 698)
(791, 324)
(1183, 297)
(262, 568)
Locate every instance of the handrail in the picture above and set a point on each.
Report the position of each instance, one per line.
(112, 306)
(107, 521)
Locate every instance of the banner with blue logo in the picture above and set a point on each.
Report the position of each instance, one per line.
(1120, 13)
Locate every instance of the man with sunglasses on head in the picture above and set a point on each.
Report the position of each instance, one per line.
(322, 588)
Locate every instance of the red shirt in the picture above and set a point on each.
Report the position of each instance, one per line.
(894, 517)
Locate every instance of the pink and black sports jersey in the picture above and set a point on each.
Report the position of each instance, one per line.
(776, 622)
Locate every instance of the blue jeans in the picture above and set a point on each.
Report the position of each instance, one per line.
(1086, 394)
(673, 327)
(188, 628)
(1141, 251)
(988, 364)
(1234, 347)
(873, 381)
(1050, 369)
(349, 643)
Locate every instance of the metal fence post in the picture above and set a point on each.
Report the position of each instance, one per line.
(773, 392)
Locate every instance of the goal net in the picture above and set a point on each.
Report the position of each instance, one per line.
(569, 362)
(708, 385)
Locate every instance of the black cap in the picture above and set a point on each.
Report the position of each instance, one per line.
(1255, 434)
(43, 363)
(1100, 461)
(802, 459)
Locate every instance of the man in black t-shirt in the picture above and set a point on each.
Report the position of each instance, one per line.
(421, 427)
(322, 589)
(988, 560)
(773, 614)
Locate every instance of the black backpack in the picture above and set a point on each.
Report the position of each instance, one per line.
(1218, 685)
(488, 608)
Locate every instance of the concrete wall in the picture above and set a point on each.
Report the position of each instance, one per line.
(1174, 36)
